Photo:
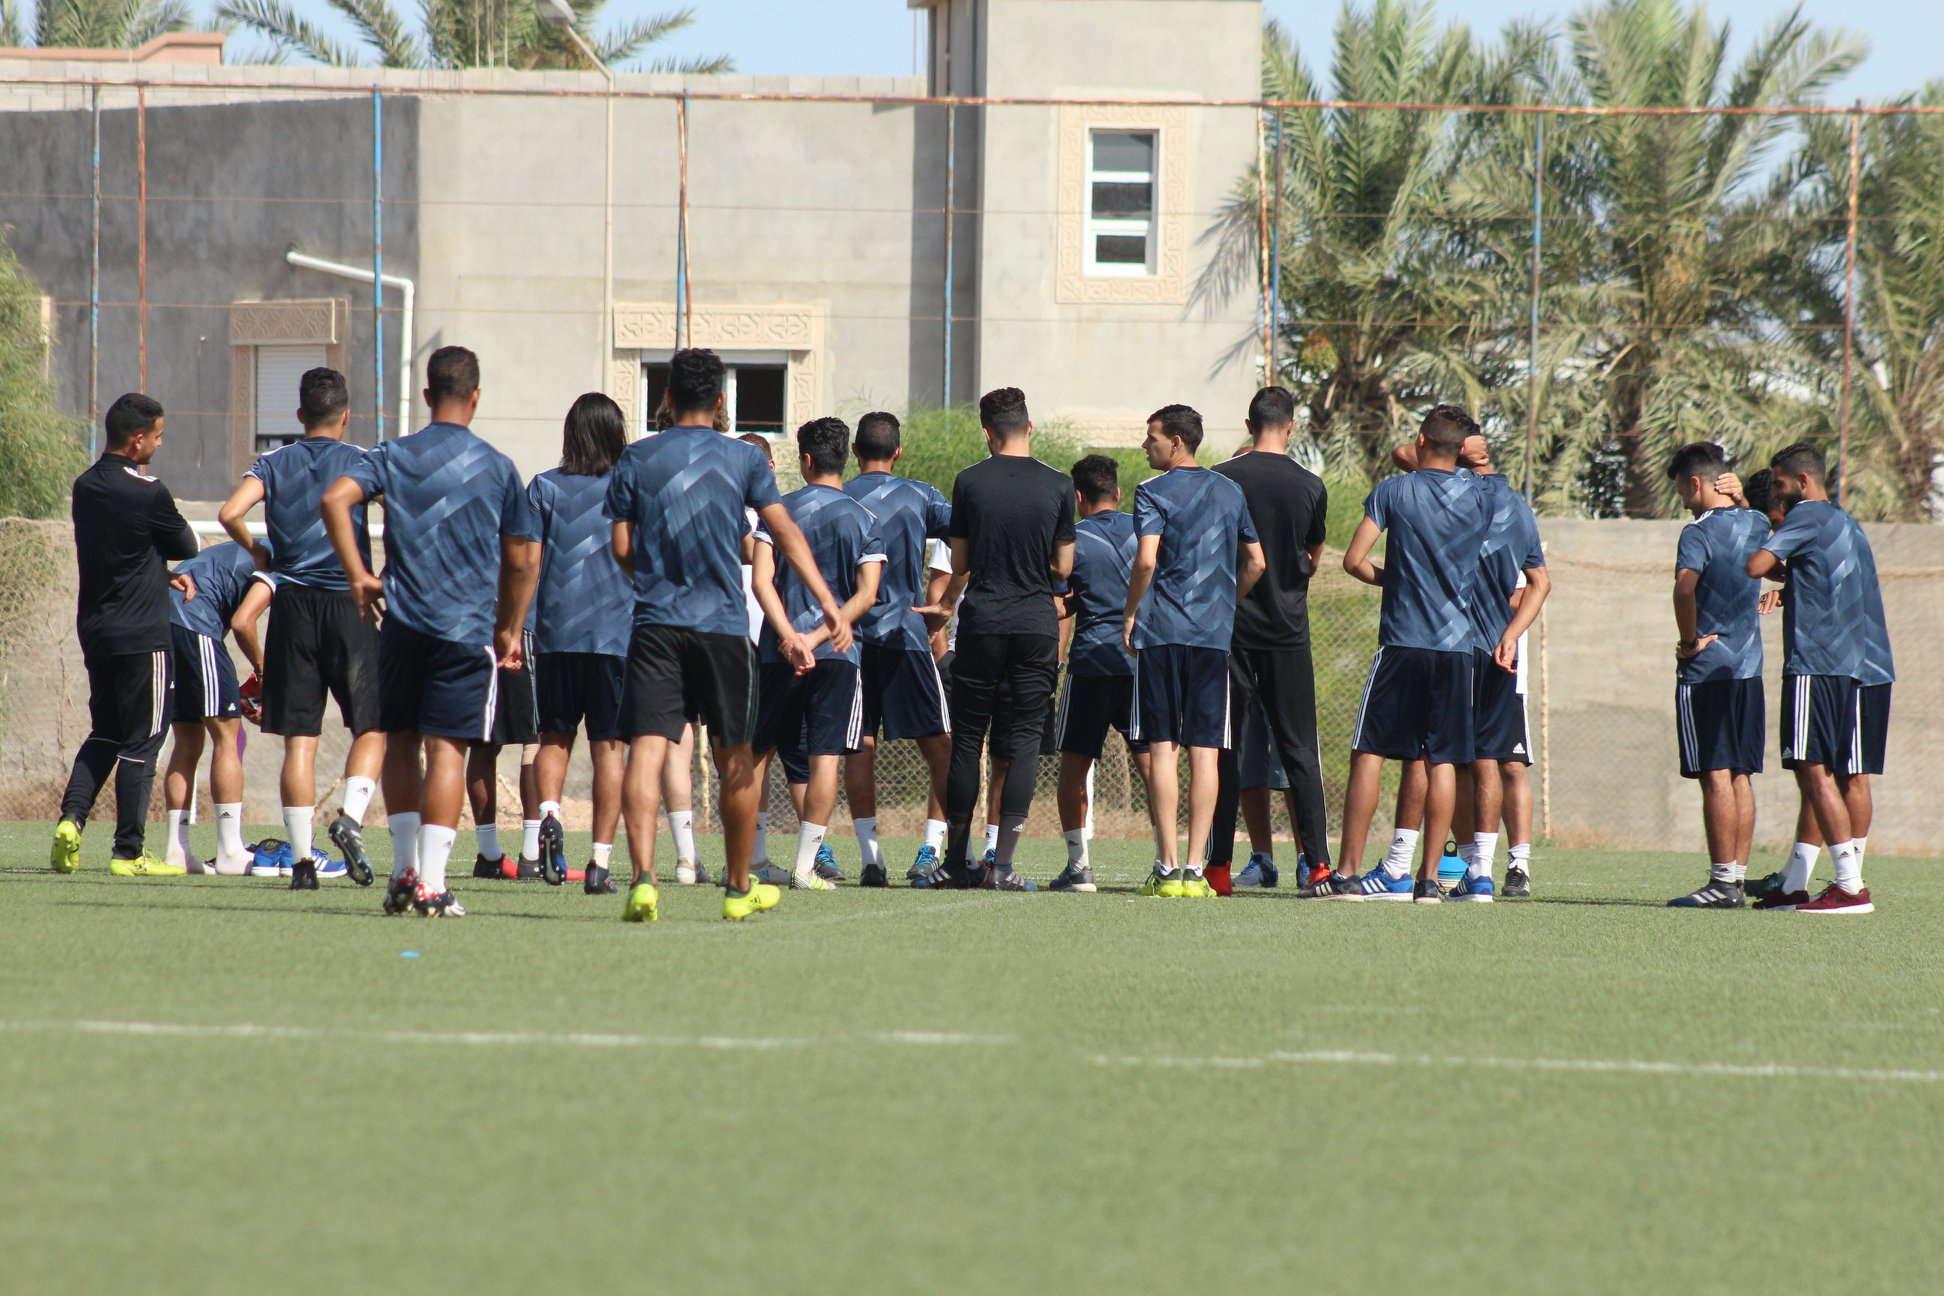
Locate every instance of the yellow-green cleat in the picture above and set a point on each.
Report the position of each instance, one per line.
(145, 865)
(1195, 886)
(760, 898)
(644, 903)
(66, 855)
(1168, 885)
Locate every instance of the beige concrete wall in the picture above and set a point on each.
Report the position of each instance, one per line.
(1604, 693)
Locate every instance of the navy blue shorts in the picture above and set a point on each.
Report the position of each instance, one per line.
(516, 721)
(1089, 706)
(1498, 713)
(435, 686)
(903, 692)
(1833, 721)
(1181, 696)
(575, 690)
(205, 677)
(823, 711)
(1718, 724)
(1417, 704)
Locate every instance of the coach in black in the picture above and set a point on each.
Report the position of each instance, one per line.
(1270, 658)
(125, 526)
(1012, 537)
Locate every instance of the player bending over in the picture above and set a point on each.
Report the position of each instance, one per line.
(460, 564)
(811, 695)
(209, 701)
(1198, 555)
(676, 504)
(318, 645)
(1836, 674)
(903, 692)
(1099, 688)
(125, 525)
(1718, 691)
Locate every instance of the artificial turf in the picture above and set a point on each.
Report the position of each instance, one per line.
(214, 1085)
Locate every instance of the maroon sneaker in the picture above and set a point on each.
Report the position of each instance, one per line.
(1836, 900)
(1782, 901)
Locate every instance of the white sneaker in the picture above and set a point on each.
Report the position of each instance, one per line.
(810, 882)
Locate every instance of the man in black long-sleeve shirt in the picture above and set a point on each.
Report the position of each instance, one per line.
(125, 526)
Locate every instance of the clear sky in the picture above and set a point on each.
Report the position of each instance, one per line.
(877, 37)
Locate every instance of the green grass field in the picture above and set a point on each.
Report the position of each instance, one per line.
(214, 1086)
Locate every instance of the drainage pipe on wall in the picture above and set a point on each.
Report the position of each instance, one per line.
(363, 274)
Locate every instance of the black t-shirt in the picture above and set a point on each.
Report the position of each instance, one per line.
(125, 525)
(1288, 503)
(1014, 511)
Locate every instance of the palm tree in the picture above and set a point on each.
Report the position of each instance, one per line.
(1676, 246)
(462, 33)
(1386, 303)
(92, 24)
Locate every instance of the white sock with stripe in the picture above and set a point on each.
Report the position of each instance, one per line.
(1519, 856)
(178, 851)
(867, 842)
(357, 797)
(1849, 866)
(297, 830)
(435, 848)
(935, 830)
(229, 834)
(1403, 849)
(529, 839)
(681, 826)
(992, 837)
(1801, 866)
(1484, 854)
(1076, 844)
(1862, 844)
(404, 829)
(487, 836)
(760, 855)
(810, 837)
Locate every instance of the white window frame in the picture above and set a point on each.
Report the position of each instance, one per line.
(731, 361)
(1122, 226)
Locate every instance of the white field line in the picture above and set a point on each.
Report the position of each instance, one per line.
(1611, 1066)
(489, 1039)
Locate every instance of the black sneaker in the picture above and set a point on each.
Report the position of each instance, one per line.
(1427, 891)
(1764, 887)
(485, 868)
(873, 875)
(553, 852)
(1715, 895)
(303, 875)
(348, 836)
(596, 881)
(1074, 879)
(400, 892)
(525, 870)
(1518, 885)
(442, 905)
(1336, 884)
(1004, 877)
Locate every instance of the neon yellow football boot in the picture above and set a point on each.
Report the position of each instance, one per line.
(760, 898)
(644, 904)
(1194, 885)
(1168, 885)
(66, 855)
(145, 865)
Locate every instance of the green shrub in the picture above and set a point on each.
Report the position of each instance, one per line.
(40, 453)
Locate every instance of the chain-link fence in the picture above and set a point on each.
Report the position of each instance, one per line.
(1600, 705)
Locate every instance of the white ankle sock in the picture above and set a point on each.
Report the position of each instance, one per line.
(1719, 872)
(229, 832)
(178, 837)
(404, 830)
(1403, 849)
(1862, 844)
(809, 837)
(297, 830)
(549, 808)
(1484, 854)
(435, 848)
(935, 830)
(681, 826)
(487, 835)
(357, 796)
(992, 837)
(530, 839)
(760, 855)
(1849, 866)
(602, 852)
(1519, 856)
(867, 841)
(1076, 842)
(1801, 866)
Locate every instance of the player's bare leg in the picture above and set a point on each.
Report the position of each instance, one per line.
(1164, 802)
(178, 787)
(1440, 795)
(1202, 779)
(1359, 806)
(816, 800)
(641, 804)
(740, 794)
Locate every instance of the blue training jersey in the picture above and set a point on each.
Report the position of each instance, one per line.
(1832, 614)
(1435, 521)
(1202, 519)
(294, 479)
(908, 513)
(449, 498)
(583, 603)
(1104, 545)
(223, 574)
(683, 492)
(842, 536)
(1717, 546)
(1511, 547)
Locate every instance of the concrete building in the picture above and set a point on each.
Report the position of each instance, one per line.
(817, 241)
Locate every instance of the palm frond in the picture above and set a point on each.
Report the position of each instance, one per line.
(286, 30)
